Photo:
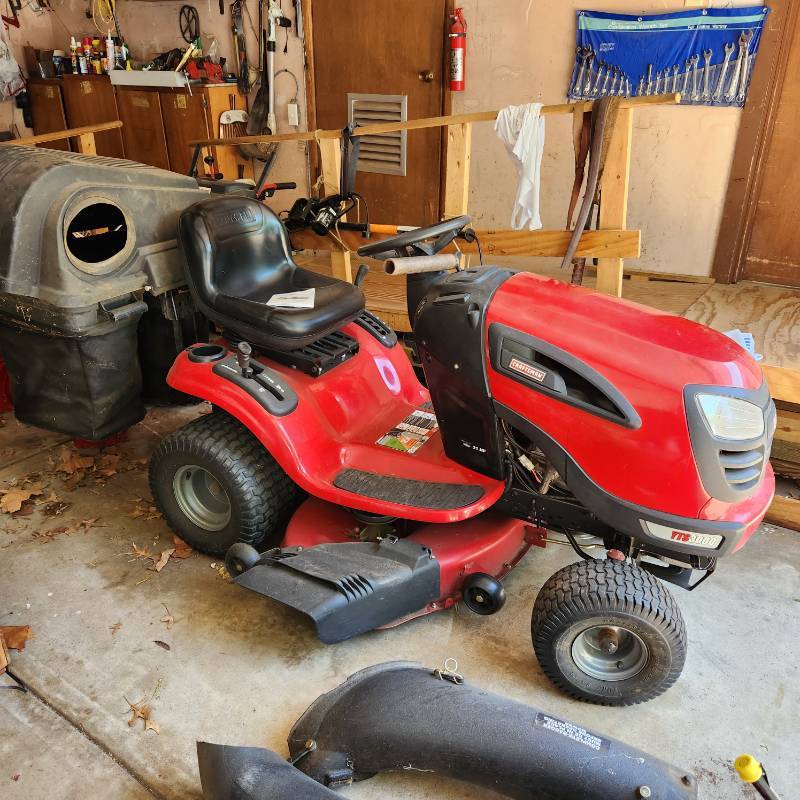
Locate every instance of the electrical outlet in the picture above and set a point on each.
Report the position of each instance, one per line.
(294, 113)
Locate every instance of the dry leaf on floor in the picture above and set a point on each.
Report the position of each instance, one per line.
(13, 498)
(139, 552)
(16, 636)
(55, 507)
(161, 562)
(71, 462)
(115, 627)
(168, 619)
(86, 525)
(142, 710)
(162, 645)
(182, 550)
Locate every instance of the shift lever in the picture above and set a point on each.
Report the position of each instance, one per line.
(243, 353)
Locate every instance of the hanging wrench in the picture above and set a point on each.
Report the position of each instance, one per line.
(675, 70)
(729, 48)
(598, 78)
(606, 80)
(649, 79)
(667, 77)
(614, 80)
(730, 95)
(583, 54)
(687, 66)
(623, 85)
(640, 88)
(706, 88)
(657, 86)
(745, 68)
(587, 89)
(695, 88)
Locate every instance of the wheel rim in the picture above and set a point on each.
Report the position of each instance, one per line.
(609, 653)
(202, 498)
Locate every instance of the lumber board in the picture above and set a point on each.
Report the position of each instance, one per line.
(55, 136)
(593, 244)
(784, 386)
(784, 511)
(788, 469)
(434, 122)
(456, 176)
(788, 428)
(614, 191)
(770, 313)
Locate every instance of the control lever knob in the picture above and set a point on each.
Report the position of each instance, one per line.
(243, 353)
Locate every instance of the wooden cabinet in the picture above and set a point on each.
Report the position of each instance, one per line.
(47, 109)
(157, 124)
(143, 135)
(89, 99)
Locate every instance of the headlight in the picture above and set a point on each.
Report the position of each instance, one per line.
(731, 418)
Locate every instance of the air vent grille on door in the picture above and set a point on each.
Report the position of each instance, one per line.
(380, 152)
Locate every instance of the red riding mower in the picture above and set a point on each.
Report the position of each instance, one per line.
(545, 406)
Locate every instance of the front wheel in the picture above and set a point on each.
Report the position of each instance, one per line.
(608, 632)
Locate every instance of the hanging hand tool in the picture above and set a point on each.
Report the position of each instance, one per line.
(649, 79)
(614, 78)
(730, 95)
(596, 88)
(609, 70)
(12, 21)
(706, 87)
(657, 89)
(640, 89)
(240, 45)
(687, 67)
(745, 67)
(729, 48)
(583, 54)
(675, 70)
(587, 87)
(695, 86)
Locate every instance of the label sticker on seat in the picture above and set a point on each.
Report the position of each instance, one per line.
(410, 434)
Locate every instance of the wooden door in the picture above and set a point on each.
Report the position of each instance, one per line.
(185, 119)
(759, 238)
(47, 109)
(89, 99)
(385, 47)
(142, 126)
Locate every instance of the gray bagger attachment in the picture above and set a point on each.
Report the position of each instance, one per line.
(252, 773)
(400, 716)
(348, 588)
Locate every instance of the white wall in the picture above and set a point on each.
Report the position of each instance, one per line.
(523, 50)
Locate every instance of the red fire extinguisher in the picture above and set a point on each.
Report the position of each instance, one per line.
(458, 51)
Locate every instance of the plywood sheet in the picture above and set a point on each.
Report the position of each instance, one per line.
(770, 313)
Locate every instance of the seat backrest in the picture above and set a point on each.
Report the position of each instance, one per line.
(232, 245)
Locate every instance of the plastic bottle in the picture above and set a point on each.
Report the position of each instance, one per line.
(110, 59)
(73, 50)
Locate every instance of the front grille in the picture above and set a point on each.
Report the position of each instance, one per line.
(742, 469)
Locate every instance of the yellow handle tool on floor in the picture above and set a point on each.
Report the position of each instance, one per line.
(751, 771)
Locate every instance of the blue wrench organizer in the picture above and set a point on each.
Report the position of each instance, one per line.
(706, 54)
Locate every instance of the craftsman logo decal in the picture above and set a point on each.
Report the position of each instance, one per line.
(527, 370)
(571, 731)
(239, 216)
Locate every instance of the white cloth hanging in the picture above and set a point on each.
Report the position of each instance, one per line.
(521, 129)
(11, 81)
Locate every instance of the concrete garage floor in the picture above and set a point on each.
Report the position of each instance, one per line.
(239, 670)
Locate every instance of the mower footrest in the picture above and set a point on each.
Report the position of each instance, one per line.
(348, 588)
(407, 491)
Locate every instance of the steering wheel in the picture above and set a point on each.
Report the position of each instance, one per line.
(443, 232)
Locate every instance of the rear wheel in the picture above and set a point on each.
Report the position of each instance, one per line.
(216, 485)
(608, 632)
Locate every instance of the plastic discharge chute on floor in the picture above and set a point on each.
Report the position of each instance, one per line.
(401, 716)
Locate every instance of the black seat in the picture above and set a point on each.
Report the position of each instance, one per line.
(237, 256)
